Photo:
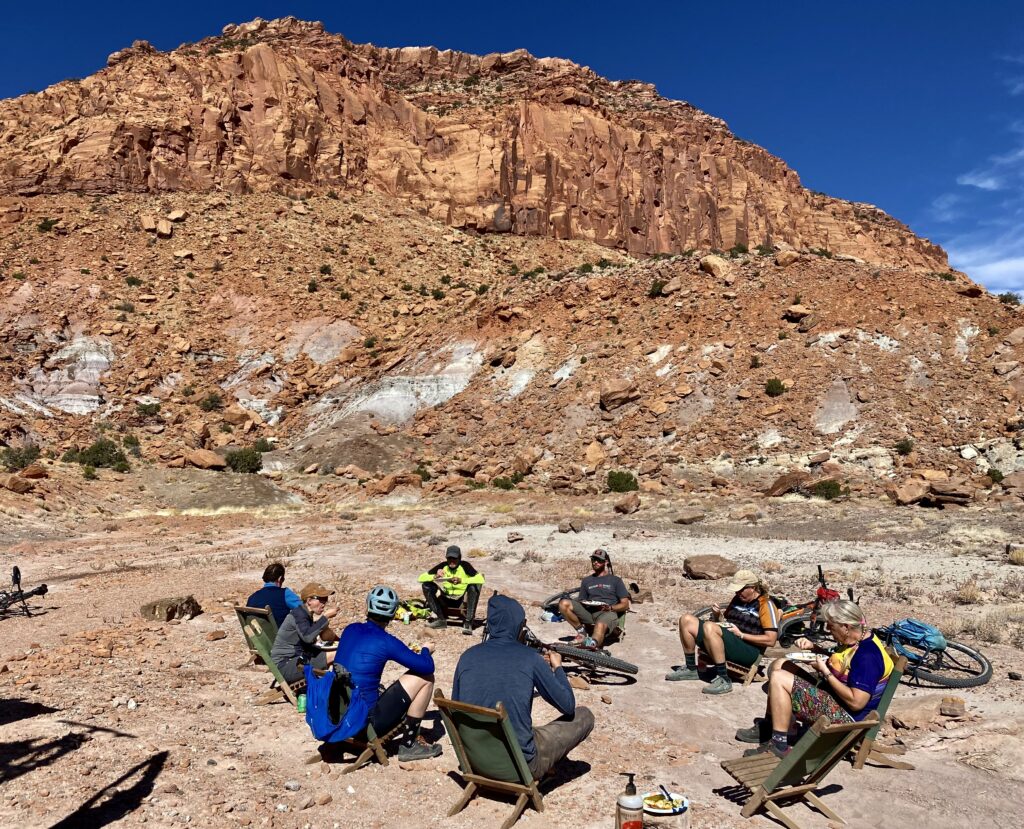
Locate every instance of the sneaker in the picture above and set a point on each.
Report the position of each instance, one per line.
(718, 685)
(767, 748)
(418, 750)
(588, 642)
(759, 732)
(437, 624)
(467, 628)
(682, 673)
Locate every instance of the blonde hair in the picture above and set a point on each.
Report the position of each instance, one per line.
(844, 612)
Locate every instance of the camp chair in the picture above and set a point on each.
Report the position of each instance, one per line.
(869, 751)
(489, 754)
(244, 614)
(797, 775)
(747, 673)
(258, 637)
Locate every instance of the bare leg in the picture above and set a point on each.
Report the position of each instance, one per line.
(780, 699)
(713, 642)
(600, 629)
(420, 689)
(565, 608)
(688, 632)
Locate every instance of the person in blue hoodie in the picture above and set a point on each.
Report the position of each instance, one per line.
(364, 649)
(504, 670)
(280, 599)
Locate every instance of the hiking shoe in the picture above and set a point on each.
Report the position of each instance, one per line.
(767, 748)
(467, 628)
(418, 750)
(759, 732)
(588, 642)
(718, 685)
(437, 624)
(682, 673)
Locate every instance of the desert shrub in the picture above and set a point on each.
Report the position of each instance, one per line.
(263, 445)
(1016, 557)
(482, 289)
(124, 307)
(621, 480)
(15, 458)
(738, 250)
(188, 391)
(103, 454)
(509, 482)
(992, 330)
(344, 294)
(904, 447)
(513, 270)
(132, 281)
(774, 387)
(148, 409)
(603, 263)
(325, 270)
(656, 288)
(312, 286)
(218, 266)
(764, 249)
(89, 473)
(946, 276)
(332, 195)
(47, 224)
(1009, 298)
(823, 252)
(755, 362)
(423, 472)
(828, 490)
(995, 475)
(437, 293)
(211, 402)
(370, 342)
(244, 460)
(967, 592)
(586, 267)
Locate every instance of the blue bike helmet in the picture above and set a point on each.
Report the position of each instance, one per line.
(382, 600)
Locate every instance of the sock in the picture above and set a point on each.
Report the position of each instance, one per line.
(780, 739)
(581, 630)
(722, 670)
(412, 730)
(691, 661)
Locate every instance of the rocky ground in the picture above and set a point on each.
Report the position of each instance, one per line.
(108, 717)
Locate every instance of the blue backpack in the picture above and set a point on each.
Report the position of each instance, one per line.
(318, 707)
(918, 635)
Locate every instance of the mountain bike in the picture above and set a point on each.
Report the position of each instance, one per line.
(16, 595)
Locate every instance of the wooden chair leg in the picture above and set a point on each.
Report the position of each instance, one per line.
(754, 802)
(751, 673)
(360, 761)
(880, 758)
(517, 812)
(273, 695)
(862, 753)
(781, 816)
(467, 795)
(535, 795)
(379, 752)
(819, 804)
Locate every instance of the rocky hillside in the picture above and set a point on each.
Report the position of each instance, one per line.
(203, 250)
(499, 143)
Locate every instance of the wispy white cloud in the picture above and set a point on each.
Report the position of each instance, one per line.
(946, 207)
(982, 179)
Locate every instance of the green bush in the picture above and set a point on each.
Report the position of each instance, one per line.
(904, 447)
(188, 391)
(946, 277)
(103, 454)
(423, 472)
(369, 342)
(132, 281)
(89, 473)
(823, 252)
(147, 409)
(47, 224)
(585, 268)
(325, 270)
(263, 445)
(211, 402)
(15, 458)
(827, 490)
(1009, 298)
(509, 482)
(656, 289)
(482, 289)
(622, 481)
(312, 287)
(738, 250)
(764, 249)
(774, 387)
(995, 475)
(755, 362)
(245, 460)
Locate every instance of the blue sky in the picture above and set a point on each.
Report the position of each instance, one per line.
(917, 107)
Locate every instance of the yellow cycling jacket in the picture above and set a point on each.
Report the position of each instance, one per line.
(466, 573)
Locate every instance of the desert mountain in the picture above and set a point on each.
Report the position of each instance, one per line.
(478, 267)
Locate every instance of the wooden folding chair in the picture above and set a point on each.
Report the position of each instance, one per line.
(258, 637)
(489, 755)
(746, 673)
(369, 744)
(244, 614)
(870, 751)
(796, 776)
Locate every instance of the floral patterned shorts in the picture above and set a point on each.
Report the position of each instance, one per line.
(811, 702)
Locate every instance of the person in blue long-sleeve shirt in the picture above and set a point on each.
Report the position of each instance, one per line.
(274, 594)
(364, 649)
(504, 670)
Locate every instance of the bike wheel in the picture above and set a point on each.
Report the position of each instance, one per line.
(704, 614)
(551, 602)
(958, 666)
(801, 626)
(594, 659)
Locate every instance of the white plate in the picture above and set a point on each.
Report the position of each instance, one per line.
(675, 796)
(802, 656)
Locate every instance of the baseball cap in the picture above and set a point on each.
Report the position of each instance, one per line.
(744, 578)
(600, 554)
(314, 588)
(454, 552)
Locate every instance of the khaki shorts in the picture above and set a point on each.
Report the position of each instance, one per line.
(609, 618)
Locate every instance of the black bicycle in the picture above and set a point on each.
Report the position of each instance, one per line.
(947, 665)
(16, 596)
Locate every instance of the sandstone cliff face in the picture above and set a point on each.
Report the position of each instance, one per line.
(498, 143)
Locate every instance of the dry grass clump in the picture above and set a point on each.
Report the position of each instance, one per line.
(1016, 557)
(772, 567)
(967, 592)
(532, 557)
(1002, 625)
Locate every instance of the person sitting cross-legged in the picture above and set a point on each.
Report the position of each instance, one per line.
(451, 584)
(739, 634)
(364, 649)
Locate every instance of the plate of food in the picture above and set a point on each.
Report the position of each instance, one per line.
(592, 603)
(802, 656)
(655, 803)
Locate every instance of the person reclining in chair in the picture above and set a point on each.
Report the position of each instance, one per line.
(504, 670)
(602, 598)
(364, 649)
(448, 584)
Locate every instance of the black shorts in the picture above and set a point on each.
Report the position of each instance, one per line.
(390, 709)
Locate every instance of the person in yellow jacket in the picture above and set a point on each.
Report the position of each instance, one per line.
(449, 584)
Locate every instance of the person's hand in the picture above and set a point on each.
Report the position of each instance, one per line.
(804, 644)
(605, 608)
(716, 612)
(553, 659)
(330, 613)
(455, 580)
(440, 573)
(821, 666)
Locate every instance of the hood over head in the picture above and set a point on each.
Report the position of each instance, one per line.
(505, 617)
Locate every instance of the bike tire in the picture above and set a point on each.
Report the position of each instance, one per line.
(593, 659)
(704, 614)
(958, 666)
(551, 602)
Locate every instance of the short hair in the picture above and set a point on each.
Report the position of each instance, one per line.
(844, 612)
(274, 572)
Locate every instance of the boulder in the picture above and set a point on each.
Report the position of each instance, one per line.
(148, 223)
(205, 459)
(628, 504)
(915, 712)
(716, 266)
(563, 527)
(617, 392)
(164, 229)
(709, 566)
(595, 455)
(34, 472)
(17, 484)
(387, 484)
(786, 483)
(576, 525)
(690, 515)
(795, 313)
(951, 492)
(908, 492)
(178, 607)
(785, 258)
(513, 537)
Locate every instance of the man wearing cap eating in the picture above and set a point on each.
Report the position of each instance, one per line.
(296, 642)
(740, 634)
(602, 597)
(448, 584)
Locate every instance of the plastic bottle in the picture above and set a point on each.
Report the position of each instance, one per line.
(300, 704)
(629, 808)
(551, 616)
